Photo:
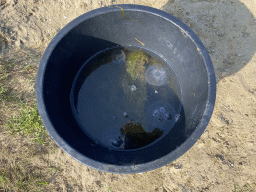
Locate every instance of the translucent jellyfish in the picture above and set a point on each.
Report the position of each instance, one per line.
(160, 114)
(156, 75)
(117, 142)
(167, 116)
(118, 56)
(112, 138)
(162, 109)
(125, 115)
(177, 117)
(156, 113)
(133, 88)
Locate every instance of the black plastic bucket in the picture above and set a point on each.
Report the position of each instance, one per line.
(123, 26)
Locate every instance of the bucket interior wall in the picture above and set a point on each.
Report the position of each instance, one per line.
(109, 30)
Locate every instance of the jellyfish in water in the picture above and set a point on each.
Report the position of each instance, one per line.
(156, 75)
(118, 56)
(133, 88)
(161, 113)
(155, 113)
(177, 117)
(112, 138)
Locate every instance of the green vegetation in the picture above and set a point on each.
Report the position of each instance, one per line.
(24, 140)
(246, 188)
(123, 14)
(221, 129)
(135, 63)
(17, 176)
(28, 123)
(109, 189)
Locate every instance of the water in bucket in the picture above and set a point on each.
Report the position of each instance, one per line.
(126, 98)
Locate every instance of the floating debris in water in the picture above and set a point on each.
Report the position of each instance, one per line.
(136, 63)
(134, 136)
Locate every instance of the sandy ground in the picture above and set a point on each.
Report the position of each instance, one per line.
(224, 158)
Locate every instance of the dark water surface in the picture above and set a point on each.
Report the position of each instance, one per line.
(126, 98)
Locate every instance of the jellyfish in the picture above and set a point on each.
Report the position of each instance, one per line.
(156, 75)
(167, 116)
(162, 109)
(161, 113)
(112, 138)
(117, 142)
(155, 113)
(177, 117)
(118, 56)
(133, 88)
(125, 115)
